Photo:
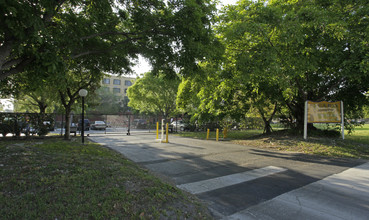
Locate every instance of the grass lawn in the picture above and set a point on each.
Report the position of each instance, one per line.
(57, 179)
(361, 134)
(355, 145)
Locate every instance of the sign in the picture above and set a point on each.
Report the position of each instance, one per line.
(324, 112)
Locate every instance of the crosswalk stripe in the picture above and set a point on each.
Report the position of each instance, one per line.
(229, 180)
(339, 196)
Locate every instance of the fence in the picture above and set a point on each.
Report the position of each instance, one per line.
(24, 124)
(20, 124)
(17, 124)
(101, 123)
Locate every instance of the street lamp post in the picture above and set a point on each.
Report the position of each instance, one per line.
(83, 93)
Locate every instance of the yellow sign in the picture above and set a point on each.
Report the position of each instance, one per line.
(324, 112)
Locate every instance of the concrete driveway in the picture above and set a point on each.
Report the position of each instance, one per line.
(238, 182)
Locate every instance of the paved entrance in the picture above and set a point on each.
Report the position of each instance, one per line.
(239, 182)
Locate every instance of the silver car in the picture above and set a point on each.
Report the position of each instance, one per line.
(179, 125)
(98, 125)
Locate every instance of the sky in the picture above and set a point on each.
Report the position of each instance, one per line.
(7, 105)
(228, 2)
(143, 66)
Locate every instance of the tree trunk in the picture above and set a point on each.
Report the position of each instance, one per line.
(267, 128)
(42, 108)
(299, 115)
(68, 108)
(67, 124)
(297, 111)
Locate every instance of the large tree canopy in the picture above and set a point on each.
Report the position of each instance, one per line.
(293, 51)
(212, 96)
(45, 36)
(280, 53)
(69, 44)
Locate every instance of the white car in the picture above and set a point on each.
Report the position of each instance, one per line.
(179, 125)
(98, 125)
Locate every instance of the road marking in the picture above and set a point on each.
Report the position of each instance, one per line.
(229, 180)
(339, 196)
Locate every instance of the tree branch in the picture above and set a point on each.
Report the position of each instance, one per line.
(87, 53)
(111, 33)
(330, 88)
(12, 62)
(5, 51)
(19, 68)
(62, 97)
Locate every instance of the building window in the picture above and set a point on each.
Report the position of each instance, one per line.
(106, 89)
(116, 90)
(127, 83)
(116, 81)
(125, 91)
(106, 81)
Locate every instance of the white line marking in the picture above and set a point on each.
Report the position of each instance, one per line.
(339, 196)
(229, 180)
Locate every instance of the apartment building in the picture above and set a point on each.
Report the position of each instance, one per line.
(117, 84)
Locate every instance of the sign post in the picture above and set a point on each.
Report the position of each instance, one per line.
(162, 130)
(324, 112)
(342, 123)
(305, 119)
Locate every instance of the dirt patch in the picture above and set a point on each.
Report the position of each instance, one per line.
(325, 146)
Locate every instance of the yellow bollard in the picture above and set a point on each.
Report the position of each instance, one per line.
(217, 134)
(225, 131)
(207, 134)
(167, 126)
(157, 130)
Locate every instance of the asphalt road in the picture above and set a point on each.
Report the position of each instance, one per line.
(238, 182)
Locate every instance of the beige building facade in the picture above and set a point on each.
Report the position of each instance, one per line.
(117, 84)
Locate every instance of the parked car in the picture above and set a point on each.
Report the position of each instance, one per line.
(12, 125)
(179, 125)
(73, 128)
(139, 123)
(29, 130)
(98, 125)
(86, 125)
(49, 125)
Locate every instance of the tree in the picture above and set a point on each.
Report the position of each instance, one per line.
(366, 111)
(57, 41)
(154, 94)
(41, 99)
(212, 95)
(68, 90)
(32, 103)
(293, 51)
(124, 105)
(46, 36)
(105, 102)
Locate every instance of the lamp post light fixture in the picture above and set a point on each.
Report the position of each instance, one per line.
(83, 93)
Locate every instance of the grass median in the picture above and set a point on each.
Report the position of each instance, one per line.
(355, 145)
(57, 179)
